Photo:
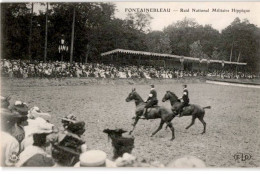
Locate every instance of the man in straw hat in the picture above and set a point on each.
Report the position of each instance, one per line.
(94, 158)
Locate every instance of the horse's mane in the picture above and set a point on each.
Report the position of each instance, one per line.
(174, 95)
(138, 95)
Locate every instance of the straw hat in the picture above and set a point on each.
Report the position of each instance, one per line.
(92, 158)
(187, 162)
(40, 126)
(35, 112)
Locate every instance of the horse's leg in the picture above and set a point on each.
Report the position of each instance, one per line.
(136, 120)
(192, 122)
(172, 129)
(159, 128)
(204, 124)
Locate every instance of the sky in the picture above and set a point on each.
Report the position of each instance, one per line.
(218, 20)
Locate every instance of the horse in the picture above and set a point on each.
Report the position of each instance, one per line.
(195, 111)
(157, 112)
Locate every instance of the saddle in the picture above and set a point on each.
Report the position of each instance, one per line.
(152, 107)
(187, 110)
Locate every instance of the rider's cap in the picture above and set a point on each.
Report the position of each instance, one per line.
(185, 85)
(152, 86)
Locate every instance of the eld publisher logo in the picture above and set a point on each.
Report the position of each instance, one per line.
(242, 157)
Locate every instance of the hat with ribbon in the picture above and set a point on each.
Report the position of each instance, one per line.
(35, 112)
(20, 107)
(41, 126)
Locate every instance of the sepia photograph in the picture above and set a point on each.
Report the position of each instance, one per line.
(165, 85)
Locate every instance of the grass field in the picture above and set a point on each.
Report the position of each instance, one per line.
(232, 124)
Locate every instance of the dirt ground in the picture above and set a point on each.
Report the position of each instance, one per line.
(232, 124)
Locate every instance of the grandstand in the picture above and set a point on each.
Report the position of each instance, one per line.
(132, 57)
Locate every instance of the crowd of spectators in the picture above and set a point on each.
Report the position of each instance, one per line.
(30, 139)
(26, 69)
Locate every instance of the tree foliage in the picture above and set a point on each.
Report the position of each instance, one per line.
(97, 30)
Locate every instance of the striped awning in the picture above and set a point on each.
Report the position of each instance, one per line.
(168, 55)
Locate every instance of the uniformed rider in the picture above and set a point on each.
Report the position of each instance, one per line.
(185, 98)
(151, 101)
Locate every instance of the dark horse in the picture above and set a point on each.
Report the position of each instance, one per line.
(195, 111)
(166, 115)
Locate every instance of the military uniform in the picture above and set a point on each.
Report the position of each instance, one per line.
(151, 101)
(186, 100)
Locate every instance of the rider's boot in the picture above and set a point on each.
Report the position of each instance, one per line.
(144, 113)
(180, 113)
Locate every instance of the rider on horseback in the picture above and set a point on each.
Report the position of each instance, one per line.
(151, 101)
(185, 99)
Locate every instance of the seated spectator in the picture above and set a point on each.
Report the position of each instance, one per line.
(121, 144)
(68, 144)
(18, 129)
(36, 155)
(9, 144)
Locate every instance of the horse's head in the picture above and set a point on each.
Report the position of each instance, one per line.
(170, 96)
(131, 96)
(166, 96)
(5, 102)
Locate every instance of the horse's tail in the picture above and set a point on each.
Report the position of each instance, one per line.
(207, 107)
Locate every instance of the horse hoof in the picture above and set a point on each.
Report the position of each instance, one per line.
(202, 133)
(130, 132)
(133, 118)
(151, 135)
(172, 139)
(186, 128)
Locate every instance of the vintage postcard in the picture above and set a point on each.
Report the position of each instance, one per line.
(130, 84)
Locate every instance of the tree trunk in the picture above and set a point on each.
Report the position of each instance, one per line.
(231, 50)
(46, 34)
(72, 36)
(87, 53)
(30, 36)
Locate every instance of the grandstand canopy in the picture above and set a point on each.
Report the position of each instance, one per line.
(171, 56)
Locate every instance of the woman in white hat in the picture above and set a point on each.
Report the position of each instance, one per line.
(36, 155)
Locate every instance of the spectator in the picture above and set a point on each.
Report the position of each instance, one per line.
(36, 155)
(9, 145)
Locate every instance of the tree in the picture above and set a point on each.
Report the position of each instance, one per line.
(158, 42)
(196, 50)
(139, 21)
(241, 38)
